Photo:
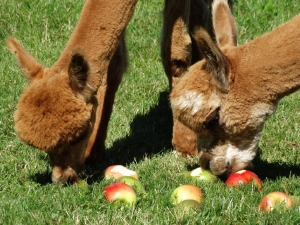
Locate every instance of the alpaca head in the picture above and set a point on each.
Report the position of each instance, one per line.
(224, 142)
(227, 97)
(55, 111)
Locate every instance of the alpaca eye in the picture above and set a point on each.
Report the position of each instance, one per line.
(212, 121)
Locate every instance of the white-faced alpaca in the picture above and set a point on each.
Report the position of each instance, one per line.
(226, 98)
(65, 109)
(179, 51)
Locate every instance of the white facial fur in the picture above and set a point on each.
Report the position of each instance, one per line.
(233, 157)
(242, 155)
(191, 101)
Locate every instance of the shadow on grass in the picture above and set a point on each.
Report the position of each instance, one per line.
(272, 171)
(149, 134)
(42, 178)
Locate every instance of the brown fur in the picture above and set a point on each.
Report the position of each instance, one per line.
(65, 109)
(226, 98)
(179, 51)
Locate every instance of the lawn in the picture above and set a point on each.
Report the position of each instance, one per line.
(139, 135)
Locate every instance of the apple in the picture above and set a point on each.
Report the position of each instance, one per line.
(120, 193)
(243, 177)
(275, 199)
(117, 171)
(188, 205)
(81, 183)
(203, 175)
(186, 192)
(134, 183)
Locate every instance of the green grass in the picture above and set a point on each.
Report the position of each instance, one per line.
(140, 129)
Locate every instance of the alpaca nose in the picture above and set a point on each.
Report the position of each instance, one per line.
(204, 162)
(64, 176)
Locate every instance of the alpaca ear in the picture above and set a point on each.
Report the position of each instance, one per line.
(79, 71)
(30, 65)
(216, 63)
(224, 24)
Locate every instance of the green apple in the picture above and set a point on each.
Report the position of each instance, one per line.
(186, 192)
(203, 175)
(134, 183)
(188, 205)
(81, 183)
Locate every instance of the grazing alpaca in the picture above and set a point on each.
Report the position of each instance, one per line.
(226, 98)
(179, 51)
(65, 109)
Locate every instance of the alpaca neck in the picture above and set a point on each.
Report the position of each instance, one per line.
(98, 32)
(270, 64)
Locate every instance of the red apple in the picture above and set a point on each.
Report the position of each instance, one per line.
(186, 192)
(120, 193)
(275, 199)
(244, 177)
(134, 183)
(117, 171)
(203, 175)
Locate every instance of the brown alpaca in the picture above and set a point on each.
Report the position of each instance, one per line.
(226, 98)
(179, 51)
(65, 109)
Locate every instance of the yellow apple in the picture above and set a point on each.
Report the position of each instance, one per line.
(186, 192)
(275, 199)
